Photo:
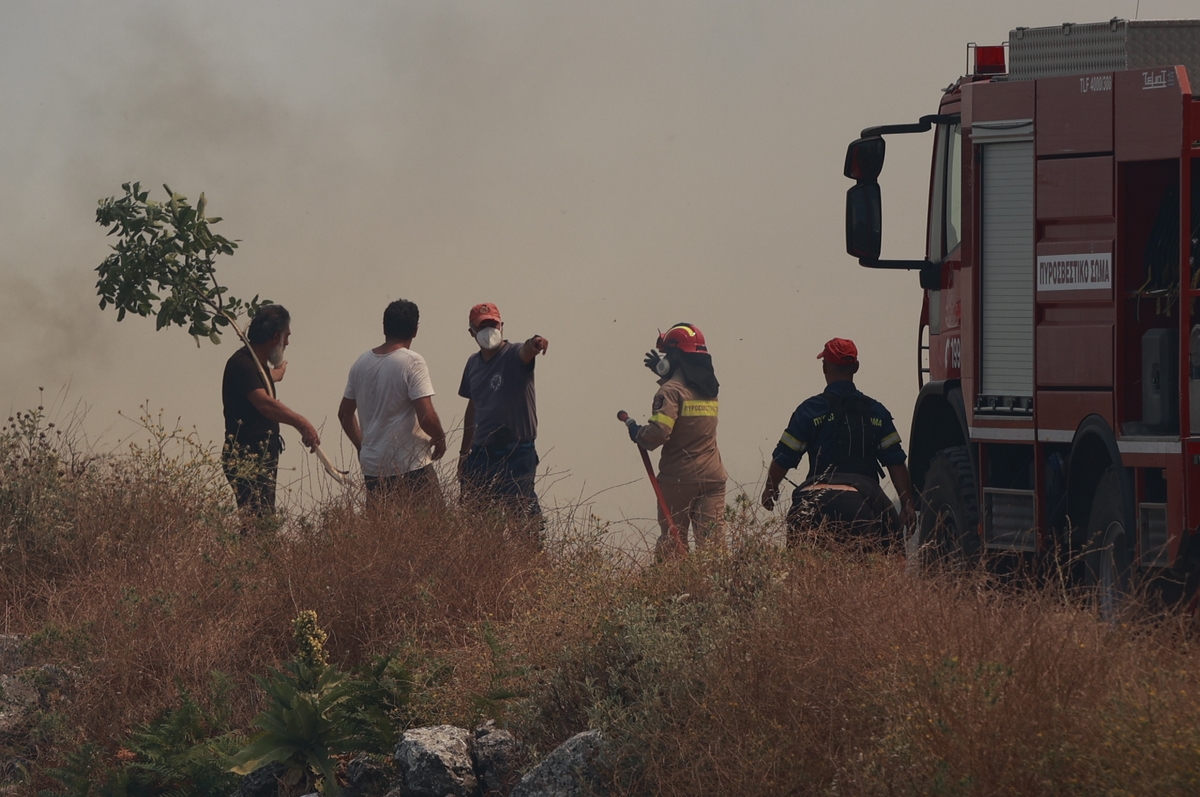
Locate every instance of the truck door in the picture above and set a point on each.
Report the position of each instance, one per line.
(945, 233)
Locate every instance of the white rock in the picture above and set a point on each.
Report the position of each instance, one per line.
(572, 770)
(436, 762)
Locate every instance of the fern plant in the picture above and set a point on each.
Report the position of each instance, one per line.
(180, 753)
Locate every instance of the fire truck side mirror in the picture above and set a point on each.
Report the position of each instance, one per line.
(931, 277)
(864, 221)
(864, 159)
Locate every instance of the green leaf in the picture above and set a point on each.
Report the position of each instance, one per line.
(262, 749)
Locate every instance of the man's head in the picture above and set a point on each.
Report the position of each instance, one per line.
(271, 326)
(486, 316)
(839, 360)
(400, 320)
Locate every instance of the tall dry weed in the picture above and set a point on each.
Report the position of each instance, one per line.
(831, 671)
(133, 572)
(821, 670)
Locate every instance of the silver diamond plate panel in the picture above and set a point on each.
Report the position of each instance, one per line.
(1066, 50)
(1166, 44)
(1103, 47)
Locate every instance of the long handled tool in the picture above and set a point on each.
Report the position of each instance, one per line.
(680, 548)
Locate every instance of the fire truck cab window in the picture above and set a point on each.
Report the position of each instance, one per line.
(945, 203)
(953, 188)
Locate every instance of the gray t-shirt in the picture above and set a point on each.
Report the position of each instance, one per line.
(502, 391)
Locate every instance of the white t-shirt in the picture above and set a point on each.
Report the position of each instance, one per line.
(385, 387)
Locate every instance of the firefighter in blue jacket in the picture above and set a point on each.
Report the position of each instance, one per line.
(848, 436)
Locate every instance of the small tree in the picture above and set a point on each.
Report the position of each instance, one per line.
(164, 264)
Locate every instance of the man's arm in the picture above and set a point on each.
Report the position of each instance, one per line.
(531, 348)
(787, 454)
(902, 481)
(468, 435)
(278, 371)
(275, 410)
(347, 414)
(431, 424)
(775, 475)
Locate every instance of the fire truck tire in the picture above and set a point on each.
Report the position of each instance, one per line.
(1108, 557)
(949, 526)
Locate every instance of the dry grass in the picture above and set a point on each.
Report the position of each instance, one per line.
(763, 671)
(834, 672)
(133, 571)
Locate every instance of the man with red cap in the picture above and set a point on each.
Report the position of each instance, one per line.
(684, 423)
(848, 436)
(498, 460)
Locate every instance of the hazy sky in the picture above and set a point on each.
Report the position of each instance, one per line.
(599, 170)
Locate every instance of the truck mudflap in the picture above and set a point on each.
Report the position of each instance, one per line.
(1093, 450)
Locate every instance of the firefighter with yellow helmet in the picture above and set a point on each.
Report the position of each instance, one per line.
(684, 424)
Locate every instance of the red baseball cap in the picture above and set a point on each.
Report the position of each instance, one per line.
(839, 351)
(484, 311)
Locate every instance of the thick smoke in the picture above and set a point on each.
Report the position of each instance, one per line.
(598, 170)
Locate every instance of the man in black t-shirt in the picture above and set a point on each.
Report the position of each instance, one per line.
(250, 456)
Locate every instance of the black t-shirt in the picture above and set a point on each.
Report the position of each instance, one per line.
(243, 422)
(505, 401)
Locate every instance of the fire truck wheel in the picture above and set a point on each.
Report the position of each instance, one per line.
(949, 527)
(1108, 557)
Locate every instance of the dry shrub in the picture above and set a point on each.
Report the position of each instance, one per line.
(832, 671)
(822, 670)
(142, 582)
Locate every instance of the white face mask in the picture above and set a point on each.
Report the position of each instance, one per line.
(489, 338)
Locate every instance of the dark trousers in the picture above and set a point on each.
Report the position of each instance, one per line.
(862, 513)
(503, 475)
(418, 486)
(252, 471)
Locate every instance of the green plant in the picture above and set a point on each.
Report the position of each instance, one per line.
(504, 675)
(316, 712)
(180, 753)
(300, 726)
(167, 246)
(36, 465)
(77, 774)
(379, 692)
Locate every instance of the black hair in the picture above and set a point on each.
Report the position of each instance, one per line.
(843, 369)
(400, 320)
(269, 321)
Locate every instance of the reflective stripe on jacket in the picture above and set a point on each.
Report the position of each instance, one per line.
(684, 423)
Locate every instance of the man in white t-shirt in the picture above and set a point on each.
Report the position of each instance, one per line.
(387, 412)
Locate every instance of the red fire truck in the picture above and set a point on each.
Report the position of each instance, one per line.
(1059, 341)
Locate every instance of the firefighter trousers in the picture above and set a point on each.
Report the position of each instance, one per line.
(699, 506)
(850, 507)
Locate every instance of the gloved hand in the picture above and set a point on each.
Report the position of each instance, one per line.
(633, 430)
(651, 361)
